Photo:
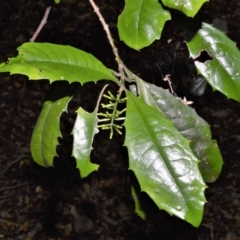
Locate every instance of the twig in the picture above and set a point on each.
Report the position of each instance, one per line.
(168, 79)
(6, 140)
(8, 222)
(9, 195)
(12, 187)
(13, 162)
(106, 28)
(43, 22)
(124, 73)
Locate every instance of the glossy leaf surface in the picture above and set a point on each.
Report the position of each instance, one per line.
(84, 129)
(223, 71)
(188, 7)
(47, 129)
(141, 22)
(189, 124)
(163, 162)
(56, 62)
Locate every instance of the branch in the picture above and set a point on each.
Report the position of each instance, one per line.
(43, 22)
(106, 28)
(124, 73)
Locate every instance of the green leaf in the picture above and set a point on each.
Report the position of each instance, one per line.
(85, 128)
(211, 160)
(189, 7)
(189, 124)
(57, 1)
(138, 208)
(223, 71)
(163, 162)
(47, 129)
(141, 22)
(56, 62)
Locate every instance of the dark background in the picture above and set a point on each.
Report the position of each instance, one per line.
(38, 203)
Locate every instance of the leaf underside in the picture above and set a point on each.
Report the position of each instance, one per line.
(47, 129)
(56, 62)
